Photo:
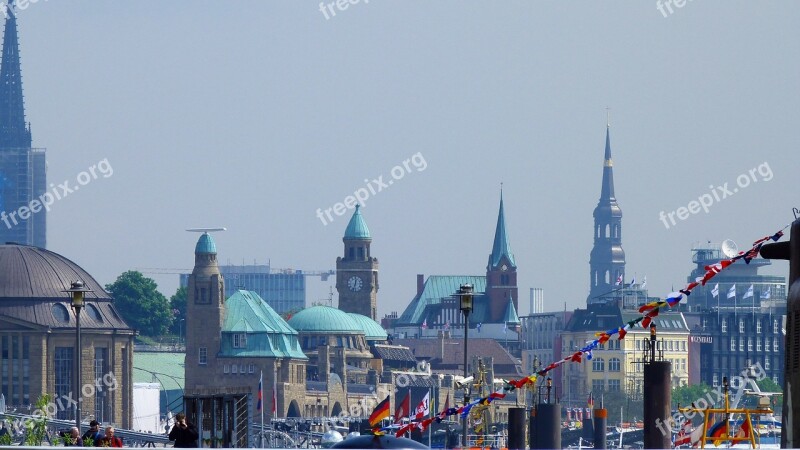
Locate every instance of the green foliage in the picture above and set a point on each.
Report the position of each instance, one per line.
(137, 299)
(88, 442)
(6, 440)
(616, 402)
(767, 385)
(177, 304)
(36, 428)
(686, 395)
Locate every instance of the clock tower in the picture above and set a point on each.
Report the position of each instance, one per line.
(357, 270)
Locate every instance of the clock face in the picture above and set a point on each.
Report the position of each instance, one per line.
(504, 267)
(355, 284)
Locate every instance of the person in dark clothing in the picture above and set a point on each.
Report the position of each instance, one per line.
(183, 433)
(74, 439)
(93, 433)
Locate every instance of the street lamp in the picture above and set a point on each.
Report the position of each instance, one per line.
(77, 290)
(465, 304)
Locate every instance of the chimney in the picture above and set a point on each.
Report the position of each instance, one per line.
(420, 283)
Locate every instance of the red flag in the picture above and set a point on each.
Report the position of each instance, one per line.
(403, 408)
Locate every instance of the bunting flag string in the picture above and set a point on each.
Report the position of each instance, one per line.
(649, 311)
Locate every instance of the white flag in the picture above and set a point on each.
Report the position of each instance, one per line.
(644, 282)
(715, 291)
(732, 291)
(749, 292)
(766, 294)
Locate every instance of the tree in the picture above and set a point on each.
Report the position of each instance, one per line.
(137, 299)
(177, 304)
(686, 395)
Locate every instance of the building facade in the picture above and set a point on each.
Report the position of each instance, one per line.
(37, 335)
(285, 291)
(23, 180)
(617, 365)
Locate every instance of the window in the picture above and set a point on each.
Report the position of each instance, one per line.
(724, 325)
(670, 345)
(749, 344)
(202, 356)
(234, 368)
(252, 368)
(775, 379)
(242, 369)
(758, 326)
(613, 386)
(715, 380)
(101, 398)
(741, 344)
(598, 386)
(683, 346)
(598, 364)
(613, 365)
(62, 366)
(775, 344)
(639, 344)
(741, 325)
(758, 344)
(775, 326)
(766, 363)
(226, 368)
(705, 323)
(240, 340)
(733, 344)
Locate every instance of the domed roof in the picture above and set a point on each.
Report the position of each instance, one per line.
(28, 272)
(205, 244)
(357, 228)
(324, 319)
(372, 330)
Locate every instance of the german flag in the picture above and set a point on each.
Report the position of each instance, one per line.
(379, 413)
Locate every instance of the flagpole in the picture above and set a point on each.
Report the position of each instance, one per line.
(431, 404)
(261, 386)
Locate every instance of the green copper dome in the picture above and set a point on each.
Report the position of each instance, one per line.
(372, 330)
(324, 319)
(205, 244)
(357, 228)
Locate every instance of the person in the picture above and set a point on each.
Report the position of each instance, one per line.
(92, 433)
(183, 433)
(109, 440)
(74, 439)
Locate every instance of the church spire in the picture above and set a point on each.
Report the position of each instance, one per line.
(607, 260)
(14, 133)
(501, 246)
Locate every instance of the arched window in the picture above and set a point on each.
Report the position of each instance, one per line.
(608, 277)
(614, 365)
(608, 230)
(598, 364)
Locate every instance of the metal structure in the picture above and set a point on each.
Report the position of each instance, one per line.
(77, 292)
(465, 304)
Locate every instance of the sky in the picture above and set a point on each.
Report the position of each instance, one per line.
(254, 115)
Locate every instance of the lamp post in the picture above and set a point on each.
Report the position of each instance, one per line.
(77, 291)
(465, 304)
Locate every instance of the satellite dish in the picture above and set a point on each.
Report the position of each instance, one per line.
(729, 248)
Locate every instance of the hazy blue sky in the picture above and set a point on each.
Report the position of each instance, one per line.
(253, 114)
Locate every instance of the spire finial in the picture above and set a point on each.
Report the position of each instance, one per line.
(608, 117)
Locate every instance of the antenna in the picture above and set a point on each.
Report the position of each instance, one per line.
(729, 248)
(205, 230)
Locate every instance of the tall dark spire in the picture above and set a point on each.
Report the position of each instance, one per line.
(14, 133)
(607, 260)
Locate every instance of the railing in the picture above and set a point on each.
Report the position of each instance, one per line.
(130, 438)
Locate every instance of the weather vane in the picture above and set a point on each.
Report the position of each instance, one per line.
(796, 212)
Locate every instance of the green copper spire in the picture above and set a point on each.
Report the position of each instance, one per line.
(357, 228)
(501, 246)
(511, 316)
